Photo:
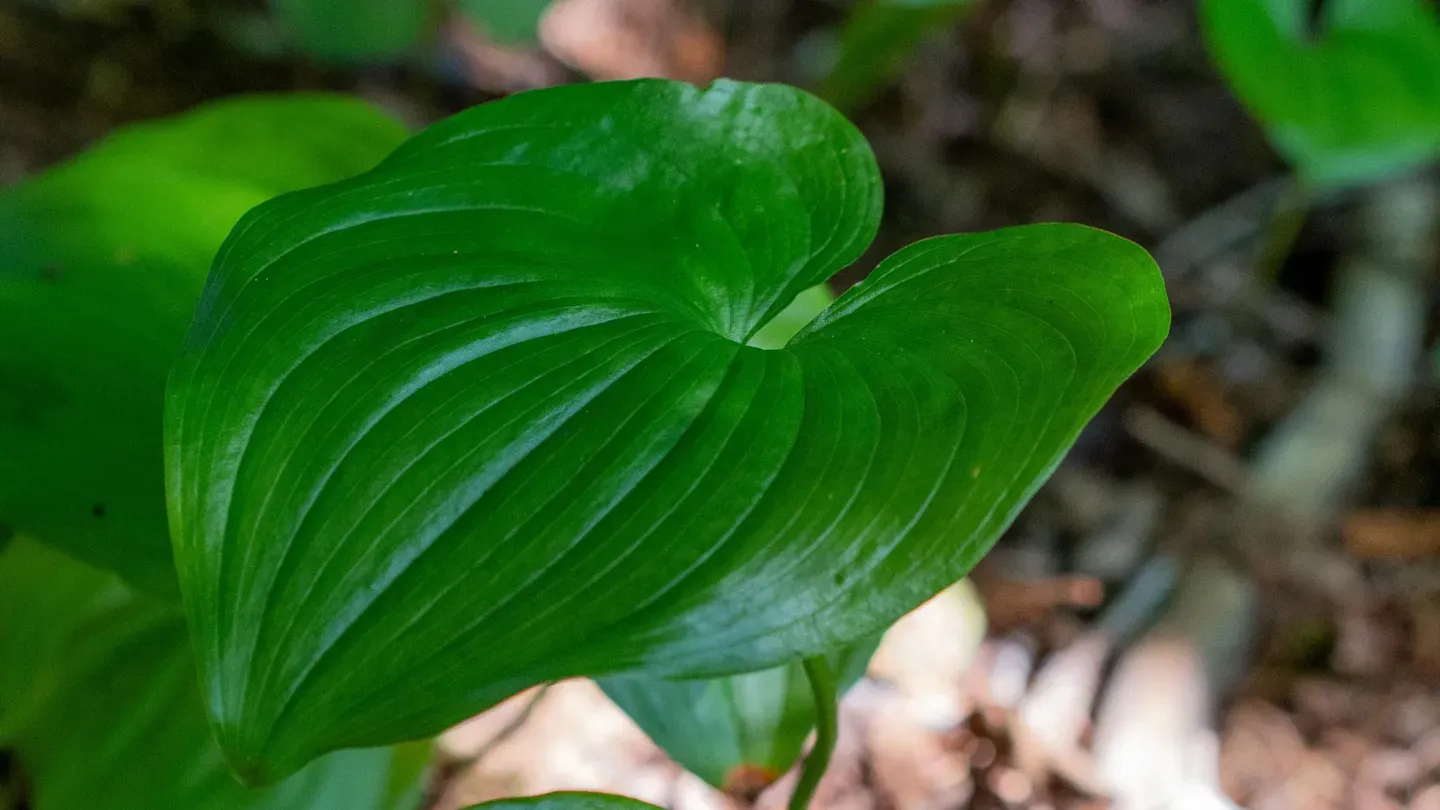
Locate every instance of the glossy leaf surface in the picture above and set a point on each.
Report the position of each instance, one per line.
(484, 417)
(741, 732)
(355, 30)
(1352, 101)
(101, 262)
(109, 717)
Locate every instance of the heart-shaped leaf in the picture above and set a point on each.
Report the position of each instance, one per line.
(1352, 101)
(101, 262)
(739, 733)
(98, 698)
(484, 416)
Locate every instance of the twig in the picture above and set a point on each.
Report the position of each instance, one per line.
(1219, 231)
(1199, 455)
(1318, 453)
(822, 686)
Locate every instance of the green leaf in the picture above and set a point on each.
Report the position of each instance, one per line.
(484, 417)
(506, 21)
(1357, 101)
(409, 775)
(877, 41)
(742, 732)
(111, 716)
(739, 733)
(355, 30)
(44, 596)
(101, 262)
(567, 801)
(806, 306)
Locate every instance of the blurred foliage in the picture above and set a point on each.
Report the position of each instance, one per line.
(506, 21)
(1349, 97)
(356, 30)
(877, 41)
(383, 30)
(100, 700)
(101, 263)
(738, 730)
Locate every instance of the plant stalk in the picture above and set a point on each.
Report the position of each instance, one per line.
(822, 687)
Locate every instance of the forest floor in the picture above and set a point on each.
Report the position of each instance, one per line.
(1306, 677)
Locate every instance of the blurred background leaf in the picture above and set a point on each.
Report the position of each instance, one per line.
(101, 263)
(1353, 100)
(739, 733)
(356, 30)
(100, 701)
(506, 21)
(877, 41)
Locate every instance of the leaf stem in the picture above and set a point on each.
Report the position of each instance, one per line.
(822, 686)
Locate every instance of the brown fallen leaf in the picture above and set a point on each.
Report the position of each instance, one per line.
(1317, 784)
(1370, 640)
(927, 654)
(1425, 637)
(1389, 769)
(574, 739)
(912, 766)
(1260, 747)
(1200, 391)
(496, 68)
(633, 39)
(1426, 799)
(1392, 534)
(1011, 603)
